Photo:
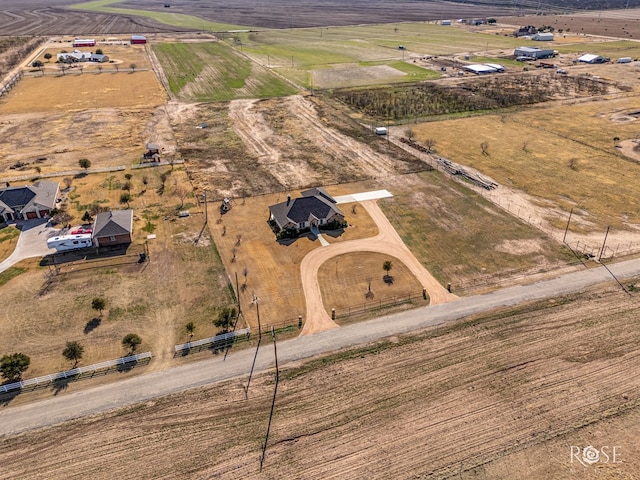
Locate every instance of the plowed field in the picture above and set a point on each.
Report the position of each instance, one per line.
(504, 396)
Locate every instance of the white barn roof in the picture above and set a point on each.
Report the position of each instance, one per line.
(479, 68)
(588, 57)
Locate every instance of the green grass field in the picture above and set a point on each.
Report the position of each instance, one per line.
(296, 51)
(175, 19)
(215, 72)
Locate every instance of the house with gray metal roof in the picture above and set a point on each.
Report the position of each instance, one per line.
(315, 208)
(28, 201)
(113, 228)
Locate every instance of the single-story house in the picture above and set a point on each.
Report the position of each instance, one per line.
(29, 201)
(313, 209)
(525, 31)
(75, 56)
(153, 153)
(113, 228)
(543, 37)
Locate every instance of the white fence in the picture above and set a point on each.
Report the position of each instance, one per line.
(220, 340)
(75, 372)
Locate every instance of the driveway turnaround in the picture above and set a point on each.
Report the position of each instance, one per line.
(387, 241)
(237, 365)
(32, 242)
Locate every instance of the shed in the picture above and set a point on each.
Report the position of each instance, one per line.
(113, 228)
(592, 58)
(480, 69)
(543, 37)
(534, 53)
(138, 39)
(445, 22)
(97, 57)
(84, 42)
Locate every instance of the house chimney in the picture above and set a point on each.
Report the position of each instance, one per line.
(288, 200)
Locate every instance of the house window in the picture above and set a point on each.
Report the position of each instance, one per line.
(112, 239)
(301, 225)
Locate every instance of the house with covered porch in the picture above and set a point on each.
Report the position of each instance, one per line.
(313, 210)
(28, 201)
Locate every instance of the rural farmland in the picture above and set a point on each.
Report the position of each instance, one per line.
(479, 183)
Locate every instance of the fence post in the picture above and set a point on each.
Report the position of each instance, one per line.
(424, 293)
(299, 321)
(333, 314)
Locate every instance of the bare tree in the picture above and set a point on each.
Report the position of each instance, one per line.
(234, 251)
(484, 146)
(429, 143)
(181, 192)
(525, 146)
(409, 133)
(67, 182)
(133, 67)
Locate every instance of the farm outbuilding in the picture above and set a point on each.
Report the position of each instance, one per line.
(99, 58)
(533, 53)
(138, 40)
(445, 22)
(484, 68)
(113, 228)
(591, 58)
(29, 201)
(543, 37)
(84, 42)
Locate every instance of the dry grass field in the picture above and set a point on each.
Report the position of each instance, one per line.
(475, 399)
(500, 396)
(182, 282)
(105, 116)
(561, 154)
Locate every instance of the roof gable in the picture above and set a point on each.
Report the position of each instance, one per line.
(115, 222)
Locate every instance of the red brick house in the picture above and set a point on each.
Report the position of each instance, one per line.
(113, 228)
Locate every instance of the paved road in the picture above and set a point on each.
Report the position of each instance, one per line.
(69, 406)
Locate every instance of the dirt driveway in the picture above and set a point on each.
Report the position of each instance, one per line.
(388, 242)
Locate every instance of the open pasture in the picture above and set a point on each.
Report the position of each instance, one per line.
(563, 154)
(322, 50)
(214, 72)
(75, 91)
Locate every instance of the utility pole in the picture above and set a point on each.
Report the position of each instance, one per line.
(567, 227)
(273, 401)
(206, 214)
(246, 390)
(603, 244)
(238, 293)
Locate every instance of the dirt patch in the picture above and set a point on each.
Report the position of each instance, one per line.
(262, 146)
(340, 77)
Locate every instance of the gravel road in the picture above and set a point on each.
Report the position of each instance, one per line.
(88, 402)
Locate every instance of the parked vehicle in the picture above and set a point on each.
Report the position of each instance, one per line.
(66, 243)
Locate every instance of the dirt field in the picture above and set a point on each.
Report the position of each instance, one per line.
(502, 396)
(107, 116)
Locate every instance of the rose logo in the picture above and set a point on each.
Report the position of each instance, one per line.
(590, 455)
